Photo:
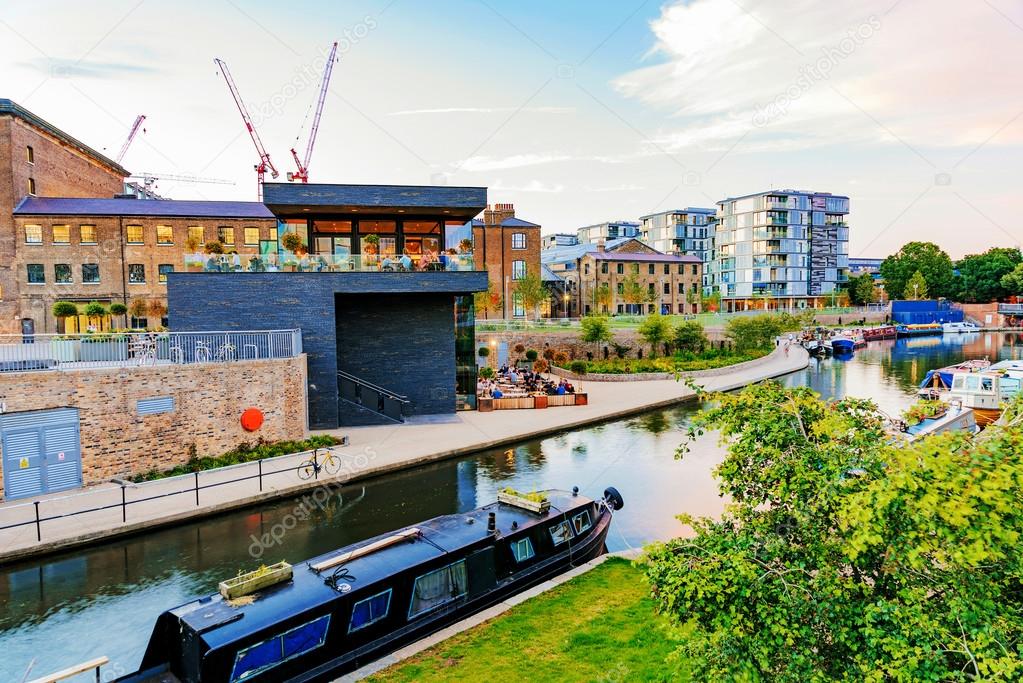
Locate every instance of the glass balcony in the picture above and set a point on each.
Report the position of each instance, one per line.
(327, 263)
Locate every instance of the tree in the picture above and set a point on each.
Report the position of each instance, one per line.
(137, 308)
(532, 293)
(693, 296)
(217, 247)
(94, 311)
(633, 292)
(861, 289)
(595, 329)
(689, 337)
(754, 332)
(654, 330)
(1013, 282)
(117, 308)
(980, 275)
(916, 287)
(842, 557)
(157, 309)
(490, 301)
(926, 257)
(602, 297)
(62, 310)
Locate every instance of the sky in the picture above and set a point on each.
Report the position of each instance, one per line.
(576, 112)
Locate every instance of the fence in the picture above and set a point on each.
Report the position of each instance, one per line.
(19, 353)
(104, 508)
(327, 263)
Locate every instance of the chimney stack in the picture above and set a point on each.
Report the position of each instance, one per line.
(498, 214)
(600, 246)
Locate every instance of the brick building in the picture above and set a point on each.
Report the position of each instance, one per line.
(626, 276)
(118, 250)
(507, 248)
(38, 159)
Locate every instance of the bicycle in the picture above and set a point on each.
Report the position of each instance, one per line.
(227, 352)
(202, 352)
(310, 468)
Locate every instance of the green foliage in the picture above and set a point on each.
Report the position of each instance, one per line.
(1013, 281)
(245, 452)
(532, 355)
(531, 291)
(756, 332)
(64, 309)
(595, 329)
(214, 247)
(578, 367)
(602, 296)
(861, 289)
(711, 302)
(924, 409)
(680, 362)
(689, 336)
(926, 257)
(916, 287)
(487, 372)
(117, 308)
(484, 351)
(94, 309)
(842, 557)
(654, 330)
(980, 275)
(490, 301)
(292, 241)
(633, 292)
(560, 358)
(534, 497)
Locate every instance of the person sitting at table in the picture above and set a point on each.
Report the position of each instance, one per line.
(406, 261)
(561, 388)
(513, 376)
(236, 261)
(497, 393)
(387, 263)
(569, 388)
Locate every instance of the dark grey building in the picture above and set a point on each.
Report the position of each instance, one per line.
(382, 295)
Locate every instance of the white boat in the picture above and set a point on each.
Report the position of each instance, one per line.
(958, 328)
(985, 392)
(956, 418)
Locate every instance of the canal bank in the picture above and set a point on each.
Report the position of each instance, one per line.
(99, 513)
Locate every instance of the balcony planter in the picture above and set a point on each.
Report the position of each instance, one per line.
(104, 349)
(251, 582)
(65, 350)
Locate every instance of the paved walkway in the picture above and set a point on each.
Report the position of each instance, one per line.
(372, 451)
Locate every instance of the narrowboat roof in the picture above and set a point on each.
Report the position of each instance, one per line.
(220, 623)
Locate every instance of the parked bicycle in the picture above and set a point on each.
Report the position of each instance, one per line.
(202, 352)
(331, 464)
(227, 352)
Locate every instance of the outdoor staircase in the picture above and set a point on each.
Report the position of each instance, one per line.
(364, 403)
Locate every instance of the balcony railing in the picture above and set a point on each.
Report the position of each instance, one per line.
(1010, 309)
(20, 353)
(326, 263)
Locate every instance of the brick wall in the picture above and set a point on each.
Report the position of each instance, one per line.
(493, 251)
(209, 400)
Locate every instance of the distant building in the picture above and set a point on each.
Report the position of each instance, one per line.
(507, 248)
(858, 266)
(609, 230)
(680, 231)
(625, 276)
(790, 247)
(560, 239)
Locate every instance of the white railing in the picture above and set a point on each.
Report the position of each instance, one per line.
(19, 353)
(1012, 309)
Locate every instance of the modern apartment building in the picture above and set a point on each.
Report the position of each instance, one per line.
(680, 231)
(609, 230)
(507, 248)
(559, 239)
(781, 249)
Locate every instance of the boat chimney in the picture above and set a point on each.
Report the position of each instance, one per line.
(491, 523)
(575, 491)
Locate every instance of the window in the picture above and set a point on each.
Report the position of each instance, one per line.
(522, 549)
(667, 269)
(164, 234)
(694, 269)
(90, 273)
(667, 288)
(438, 587)
(681, 269)
(62, 274)
(162, 271)
(650, 269)
(62, 234)
(681, 288)
(273, 234)
(137, 273)
(621, 288)
(518, 309)
(620, 268)
(33, 234)
(518, 270)
(581, 522)
(561, 533)
(518, 240)
(226, 235)
(30, 154)
(370, 610)
(139, 323)
(32, 186)
(134, 234)
(252, 237)
(87, 234)
(197, 234)
(621, 308)
(603, 267)
(279, 649)
(36, 275)
(681, 308)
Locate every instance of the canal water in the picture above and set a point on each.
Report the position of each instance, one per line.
(103, 600)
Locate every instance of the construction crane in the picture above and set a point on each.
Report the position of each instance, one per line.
(303, 166)
(131, 136)
(264, 165)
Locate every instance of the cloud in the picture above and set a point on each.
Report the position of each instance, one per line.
(532, 186)
(800, 73)
(624, 187)
(484, 110)
(483, 163)
(70, 68)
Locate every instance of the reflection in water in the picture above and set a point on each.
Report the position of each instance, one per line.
(103, 600)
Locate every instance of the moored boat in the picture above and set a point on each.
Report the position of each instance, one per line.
(939, 381)
(842, 344)
(336, 612)
(954, 418)
(918, 330)
(879, 333)
(984, 391)
(959, 328)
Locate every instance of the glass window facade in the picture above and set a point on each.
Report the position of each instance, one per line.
(62, 274)
(196, 233)
(162, 271)
(251, 237)
(225, 234)
(465, 353)
(90, 273)
(62, 234)
(33, 234)
(136, 273)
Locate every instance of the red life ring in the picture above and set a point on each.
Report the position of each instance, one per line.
(252, 419)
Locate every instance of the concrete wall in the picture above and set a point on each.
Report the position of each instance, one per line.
(209, 400)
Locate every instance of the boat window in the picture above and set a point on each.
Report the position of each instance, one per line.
(561, 532)
(972, 383)
(522, 549)
(438, 587)
(370, 610)
(581, 522)
(987, 384)
(258, 658)
(957, 383)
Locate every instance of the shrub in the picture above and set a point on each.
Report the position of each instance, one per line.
(484, 351)
(118, 308)
(654, 329)
(487, 372)
(595, 329)
(214, 247)
(95, 310)
(532, 355)
(519, 348)
(560, 358)
(541, 365)
(748, 333)
(548, 354)
(64, 309)
(578, 367)
(689, 336)
(291, 241)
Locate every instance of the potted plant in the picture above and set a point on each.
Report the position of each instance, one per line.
(465, 246)
(214, 247)
(95, 312)
(251, 582)
(924, 410)
(137, 308)
(532, 355)
(157, 309)
(64, 348)
(117, 308)
(534, 502)
(292, 242)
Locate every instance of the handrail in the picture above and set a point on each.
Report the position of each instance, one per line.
(92, 664)
(387, 392)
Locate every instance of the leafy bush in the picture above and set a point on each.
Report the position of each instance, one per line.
(689, 336)
(923, 409)
(540, 365)
(95, 310)
(117, 308)
(291, 241)
(532, 355)
(680, 362)
(245, 452)
(214, 247)
(487, 372)
(484, 351)
(595, 329)
(654, 329)
(579, 367)
(64, 309)
(560, 358)
(548, 354)
(748, 333)
(519, 348)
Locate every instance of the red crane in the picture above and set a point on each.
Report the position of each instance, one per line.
(303, 166)
(131, 136)
(264, 164)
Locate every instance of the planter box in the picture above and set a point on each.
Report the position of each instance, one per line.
(581, 400)
(65, 350)
(250, 582)
(518, 501)
(104, 351)
(485, 405)
(539, 401)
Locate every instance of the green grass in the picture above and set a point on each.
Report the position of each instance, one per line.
(686, 362)
(600, 626)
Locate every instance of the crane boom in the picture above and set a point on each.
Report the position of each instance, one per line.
(264, 164)
(131, 136)
(303, 166)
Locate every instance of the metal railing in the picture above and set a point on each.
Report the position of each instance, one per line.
(373, 397)
(1011, 309)
(19, 353)
(327, 263)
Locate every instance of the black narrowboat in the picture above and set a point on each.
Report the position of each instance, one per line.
(344, 609)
